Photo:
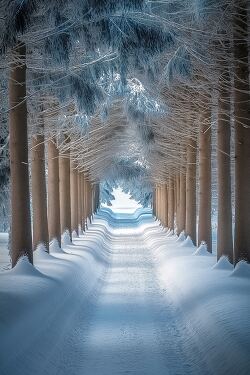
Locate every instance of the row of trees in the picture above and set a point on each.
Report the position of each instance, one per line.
(71, 196)
(176, 200)
(131, 89)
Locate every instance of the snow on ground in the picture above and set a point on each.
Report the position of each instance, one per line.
(125, 298)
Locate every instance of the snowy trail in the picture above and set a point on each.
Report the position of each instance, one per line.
(125, 298)
(133, 330)
(128, 326)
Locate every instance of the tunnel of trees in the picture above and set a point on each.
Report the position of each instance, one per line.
(149, 95)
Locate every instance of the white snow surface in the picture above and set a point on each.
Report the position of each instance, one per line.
(124, 298)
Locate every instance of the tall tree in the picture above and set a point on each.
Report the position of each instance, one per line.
(166, 205)
(191, 190)
(79, 208)
(171, 203)
(182, 204)
(74, 197)
(177, 200)
(204, 223)
(224, 228)
(21, 239)
(39, 194)
(97, 197)
(242, 131)
(64, 186)
(84, 202)
(53, 192)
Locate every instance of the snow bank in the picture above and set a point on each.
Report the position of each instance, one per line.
(187, 242)
(211, 299)
(242, 269)
(223, 264)
(39, 304)
(181, 237)
(214, 305)
(202, 250)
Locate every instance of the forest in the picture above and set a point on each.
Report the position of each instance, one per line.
(101, 100)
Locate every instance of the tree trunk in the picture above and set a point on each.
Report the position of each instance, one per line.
(160, 204)
(97, 197)
(74, 198)
(171, 204)
(53, 192)
(224, 230)
(166, 206)
(64, 185)
(163, 190)
(177, 190)
(182, 206)
(154, 202)
(90, 201)
(204, 224)
(191, 190)
(80, 204)
(157, 203)
(39, 195)
(84, 201)
(242, 133)
(93, 199)
(21, 239)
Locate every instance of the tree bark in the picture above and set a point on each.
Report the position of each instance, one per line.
(97, 197)
(74, 198)
(171, 204)
(160, 204)
(84, 201)
(163, 191)
(90, 201)
(53, 192)
(154, 202)
(93, 200)
(157, 203)
(80, 204)
(182, 206)
(21, 238)
(177, 191)
(204, 224)
(191, 190)
(242, 133)
(224, 230)
(163, 204)
(39, 194)
(64, 185)
(166, 206)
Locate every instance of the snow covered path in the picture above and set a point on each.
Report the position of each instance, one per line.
(132, 330)
(128, 326)
(125, 298)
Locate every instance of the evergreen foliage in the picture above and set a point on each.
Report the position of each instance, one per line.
(85, 55)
